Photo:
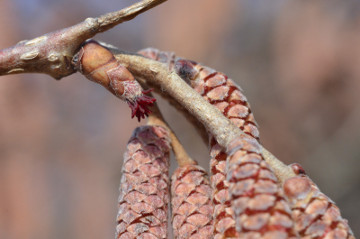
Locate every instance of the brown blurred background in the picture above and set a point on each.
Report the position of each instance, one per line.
(61, 142)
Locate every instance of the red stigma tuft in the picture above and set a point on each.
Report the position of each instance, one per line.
(139, 107)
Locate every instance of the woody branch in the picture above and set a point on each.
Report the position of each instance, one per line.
(52, 54)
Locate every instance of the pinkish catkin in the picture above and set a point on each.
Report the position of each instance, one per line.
(224, 94)
(260, 208)
(315, 215)
(144, 189)
(192, 208)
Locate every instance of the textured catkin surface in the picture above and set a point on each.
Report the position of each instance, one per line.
(260, 208)
(315, 215)
(144, 189)
(192, 208)
(224, 94)
(214, 86)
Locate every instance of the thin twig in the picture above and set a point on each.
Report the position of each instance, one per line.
(198, 127)
(281, 170)
(52, 53)
(110, 20)
(156, 118)
(215, 122)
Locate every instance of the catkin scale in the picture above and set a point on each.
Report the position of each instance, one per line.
(259, 205)
(192, 208)
(98, 64)
(315, 215)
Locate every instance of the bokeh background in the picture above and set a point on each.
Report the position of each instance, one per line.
(61, 142)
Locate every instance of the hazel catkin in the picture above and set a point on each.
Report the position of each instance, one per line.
(192, 208)
(315, 215)
(144, 189)
(225, 95)
(260, 208)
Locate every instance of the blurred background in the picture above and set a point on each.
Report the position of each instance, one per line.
(61, 142)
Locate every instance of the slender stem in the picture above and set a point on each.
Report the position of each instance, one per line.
(281, 170)
(198, 127)
(156, 118)
(52, 53)
(110, 20)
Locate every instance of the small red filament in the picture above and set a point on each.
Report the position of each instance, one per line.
(139, 107)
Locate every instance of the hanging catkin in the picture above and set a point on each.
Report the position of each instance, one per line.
(144, 189)
(224, 94)
(260, 208)
(192, 209)
(315, 215)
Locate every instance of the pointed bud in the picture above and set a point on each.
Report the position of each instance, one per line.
(98, 64)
